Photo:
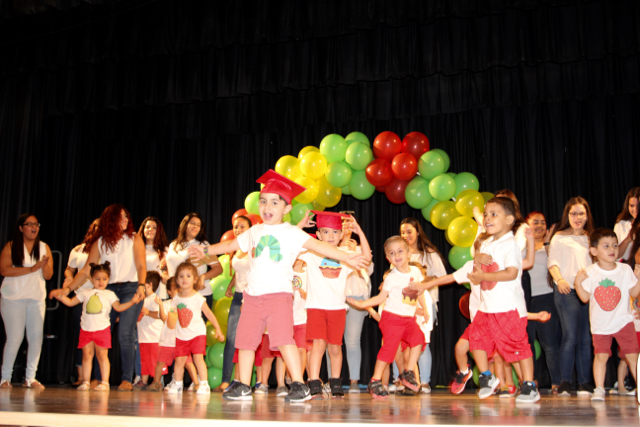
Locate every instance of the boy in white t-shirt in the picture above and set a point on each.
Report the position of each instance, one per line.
(149, 328)
(273, 247)
(326, 301)
(606, 286)
(397, 323)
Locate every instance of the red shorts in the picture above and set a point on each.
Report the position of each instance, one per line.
(101, 338)
(300, 336)
(266, 349)
(465, 334)
(258, 357)
(326, 325)
(504, 332)
(167, 355)
(626, 338)
(148, 357)
(197, 345)
(271, 311)
(396, 329)
(405, 345)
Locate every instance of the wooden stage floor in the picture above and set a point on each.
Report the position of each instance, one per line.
(66, 407)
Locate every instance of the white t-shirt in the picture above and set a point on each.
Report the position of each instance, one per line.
(609, 309)
(622, 229)
(30, 286)
(190, 323)
(96, 306)
(326, 282)
(299, 310)
(426, 327)
(433, 263)
(149, 328)
(358, 286)
(503, 296)
(167, 336)
(77, 260)
(273, 250)
(241, 271)
(538, 274)
(460, 277)
(402, 301)
(569, 253)
(177, 255)
(153, 264)
(123, 266)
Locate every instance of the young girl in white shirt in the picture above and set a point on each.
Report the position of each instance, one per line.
(95, 335)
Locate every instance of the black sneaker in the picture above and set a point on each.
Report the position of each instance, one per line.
(406, 392)
(299, 392)
(585, 389)
(238, 391)
(528, 393)
(336, 387)
(564, 389)
(377, 390)
(408, 378)
(315, 388)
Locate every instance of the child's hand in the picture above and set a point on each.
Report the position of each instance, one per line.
(357, 261)
(355, 227)
(582, 275)
(302, 293)
(144, 311)
(196, 252)
(477, 215)
(543, 316)
(374, 314)
(476, 276)
(307, 222)
(67, 282)
(528, 233)
(351, 245)
(157, 300)
(219, 335)
(355, 303)
(228, 293)
(420, 287)
(483, 259)
(136, 298)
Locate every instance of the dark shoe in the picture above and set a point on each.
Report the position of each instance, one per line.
(408, 378)
(377, 390)
(460, 381)
(315, 388)
(528, 393)
(238, 391)
(299, 393)
(336, 387)
(585, 389)
(564, 389)
(488, 385)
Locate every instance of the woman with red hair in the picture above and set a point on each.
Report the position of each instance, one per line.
(116, 242)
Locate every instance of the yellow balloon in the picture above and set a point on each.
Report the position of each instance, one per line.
(313, 165)
(462, 231)
(442, 214)
(289, 166)
(307, 149)
(308, 195)
(328, 195)
(317, 206)
(466, 203)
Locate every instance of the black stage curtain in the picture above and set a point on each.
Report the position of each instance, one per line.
(176, 106)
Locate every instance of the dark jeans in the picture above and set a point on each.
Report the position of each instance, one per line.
(548, 335)
(576, 336)
(126, 328)
(209, 299)
(230, 344)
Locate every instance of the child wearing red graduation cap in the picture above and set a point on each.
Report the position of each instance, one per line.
(273, 247)
(326, 301)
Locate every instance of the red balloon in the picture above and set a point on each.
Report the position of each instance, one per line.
(239, 212)
(395, 190)
(381, 189)
(464, 305)
(229, 235)
(387, 145)
(416, 144)
(404, 166)
(255, 219)
(379, 172)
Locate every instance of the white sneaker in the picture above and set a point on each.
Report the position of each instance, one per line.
(173, 380)
(598, 394)
(262, 389)
(137, 379)
(204, 389)
(175, 388)
(391, 388)
(192, 387)
(487, 384)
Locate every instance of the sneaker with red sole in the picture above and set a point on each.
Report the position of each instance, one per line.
(460, 381)
(408, 378)
(377, 390)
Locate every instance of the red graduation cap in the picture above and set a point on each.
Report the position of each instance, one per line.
(278, 184)
(332, 220)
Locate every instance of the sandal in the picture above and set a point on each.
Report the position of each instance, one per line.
(103, 386)
(5, 384)
(34, 383)
(84, 386)
(554, 390)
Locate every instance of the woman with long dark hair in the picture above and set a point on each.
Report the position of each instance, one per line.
(156, 248)
(624, 222)
(25, 263)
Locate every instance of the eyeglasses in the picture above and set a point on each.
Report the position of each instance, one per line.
(578, 214)
(31, 224)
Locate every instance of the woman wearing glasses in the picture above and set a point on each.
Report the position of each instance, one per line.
(25, 263)
(568, 253)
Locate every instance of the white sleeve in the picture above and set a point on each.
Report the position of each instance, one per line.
(520, 237)
(435, 266)
(555, 253)
(244, 240)
(460, 276)
(73, 259)
(512, 257)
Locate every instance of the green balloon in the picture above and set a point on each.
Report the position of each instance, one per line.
(339, 174)
(417, 193)
(299, 211)
(458, 257)
(442, 187)
(219, 286)
(214, 377)
(487, 196)
(466, 181)
(426, 212)
(216, 354)
(431, 164)
(537, 348)
(333, 147)
(452, 174)
(251, 203)
(346, 190)
(360, 187)
(358, 156)
(476, 375)
(287, 218)
(467, 285)
(443, 213)
(447, 161)
(358, 136)
(224, 263)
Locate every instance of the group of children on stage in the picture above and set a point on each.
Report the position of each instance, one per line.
(296, 295)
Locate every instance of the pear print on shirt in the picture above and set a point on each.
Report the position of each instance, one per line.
(607, 295)
(94, 305)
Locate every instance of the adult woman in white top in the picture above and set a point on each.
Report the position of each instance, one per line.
(568, 253)
(240, 267)
(25, 263)
(156, 248)
(117, 243)
(77, 259)
(192, 232)
(624, 222)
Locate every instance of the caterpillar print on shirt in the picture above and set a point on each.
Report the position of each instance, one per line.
(273, 244)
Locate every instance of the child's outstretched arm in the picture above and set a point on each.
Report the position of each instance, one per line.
(199, 251)
(531, 250)
(542, 316)
(371, 302)
(364, 243)
(209, 315)
(117, 306)
(161, 314)
(356, 261)
(635, 291)
(506, 275)
(440, 281)
(66, 300)
(582, 294)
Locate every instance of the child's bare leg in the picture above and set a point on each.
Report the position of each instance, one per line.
(315, 361)
(379, 369)
(245, 365)
(178, 369)
(499, 369)
(87, 361)
(303, 360)
(198, 360)
(191, 369)
(481, 359)
(102, 354)
(290, 356)
(632, 361)
(519, 372)
(461, 350)
(335, 354)
(399, 359)
(267, 363)
(414, 355)
(600, 368)
(281, 369)
(158, 373)
(385, 375)
(622, 373)
(145, 379)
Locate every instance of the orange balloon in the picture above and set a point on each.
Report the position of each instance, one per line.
(229, 235)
